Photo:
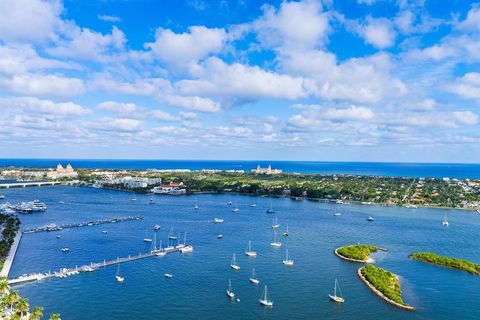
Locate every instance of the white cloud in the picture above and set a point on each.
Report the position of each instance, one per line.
(467, 86)
(117, 106)
(182, 51)
(108, 18)
(30, 21)
(34, 105)
(194, 103)
(293, 26)
(163, 116)
(42, 85)
(378, 32)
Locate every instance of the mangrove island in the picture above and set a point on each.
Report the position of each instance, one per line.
(452, 263)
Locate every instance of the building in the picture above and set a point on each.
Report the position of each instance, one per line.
(61, 172)
(267, 170)
(175, 189)
(128, 182)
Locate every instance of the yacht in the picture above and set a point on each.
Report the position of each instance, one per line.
(370, 218)
(119, 277)
(156, 227)
(445, 221)
(286, 232)
(270, 210)
(253, 278)
(230, 292)
(37, 205)
(288, 262)
(275, 223)
(249, 251)
(334, 297)
(65, 249)
(186, 249)
(168, 275)
(217, 220)
(233, 263)
(236, 207)
(275, 243)
(220, 236)
(264, 301)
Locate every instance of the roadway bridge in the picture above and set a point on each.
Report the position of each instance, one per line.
(33, 184)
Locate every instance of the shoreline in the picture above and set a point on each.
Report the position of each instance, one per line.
(7, 264)
(380, 294)
(368, 260)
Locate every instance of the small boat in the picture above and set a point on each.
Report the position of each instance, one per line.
(229, 203)
(196, 204)
(58, 236)
(217, 220)
(119, 277)
(478, 211)
(104, 231)
(270, 210)
(334, 297)
(275, 243)
(220, 236)
(186, 249)
(151, 201)
(249, 252)
(62, 202)
(253, 278)
(337, 214)
(230, 292)
(287, 262)
(2, 197)
(370, 218)
(253, 205)
(133, 199)
(171, 236)
(233, 263)
(445, 221)
(168, 275)
(264, 301)
(65, 249)
(147, 239)
(275, 223)
(286, 232)
(236, 207)
(156, 227)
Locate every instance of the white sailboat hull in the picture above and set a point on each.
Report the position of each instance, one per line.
(266, 303)
(254, 281)
(336, 298)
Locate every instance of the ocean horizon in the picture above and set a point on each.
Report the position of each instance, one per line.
(394, 169)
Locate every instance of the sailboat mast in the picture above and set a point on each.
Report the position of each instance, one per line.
(335, 289)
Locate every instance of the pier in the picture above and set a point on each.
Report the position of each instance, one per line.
(66, 272)
(7, 265)
(54, 227)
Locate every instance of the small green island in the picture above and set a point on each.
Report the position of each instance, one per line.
(357, 252)
(384, 284)
(447, 262)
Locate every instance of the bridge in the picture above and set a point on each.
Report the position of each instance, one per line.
(33, 184)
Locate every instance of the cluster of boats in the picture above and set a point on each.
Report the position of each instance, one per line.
(24, 207)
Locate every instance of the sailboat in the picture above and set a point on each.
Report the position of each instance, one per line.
(233, 263)
(230, 292)
(147, 239)
(160, 252)
(229, 201)
(337, 214)
(254, 204)
(196, 204)
(171, 236)
(275, 243)
(286, 232)
(287, 262)
(156, 227)
(334, 297)
(275, 223)
(118, 277)
(151, 201)
(249, 251)
(253, 278)
(445, 221)
(264, 301)
(186, 248)
(270, 210)
(236, 207)
(370, 218)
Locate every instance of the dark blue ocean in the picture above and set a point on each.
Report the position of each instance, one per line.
(437, 170)
(197, 289)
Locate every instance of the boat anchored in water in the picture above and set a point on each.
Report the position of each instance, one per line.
(217, 220)
(220, 236)
(156, 227)
(230, 292)
(253, 279)
(196, 204)
(275, 243)
(445, 221)
(270, 210)
(236, 207)
(264, 300)
(65, 249)
(370, 218)
(334, 297)
(286, 232)
(171, 236)
(233, 263)
(119, 277)
(275, 223)
(249, 252)
(287, 262)
(147, 239)
(168, 275)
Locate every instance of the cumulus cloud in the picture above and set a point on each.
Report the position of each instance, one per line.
(468, 86)
(35, 105)
(378, 32)
(108, 18)
(117, 106)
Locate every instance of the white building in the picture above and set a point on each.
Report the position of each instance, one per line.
(171, 189)
(61, 172)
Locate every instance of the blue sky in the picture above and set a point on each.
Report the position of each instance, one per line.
(359, 80)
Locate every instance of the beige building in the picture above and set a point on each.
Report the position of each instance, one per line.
(61, 172)
(267, 170)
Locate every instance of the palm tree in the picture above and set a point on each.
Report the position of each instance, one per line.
(55, 316)
(3, 285)
(12, 299)
(36, 314)
(22, 307)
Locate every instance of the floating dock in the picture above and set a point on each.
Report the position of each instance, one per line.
(54, 227)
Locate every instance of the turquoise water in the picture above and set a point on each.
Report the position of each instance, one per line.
(197, 289)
